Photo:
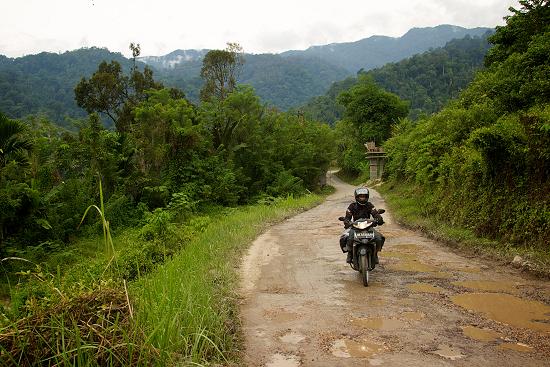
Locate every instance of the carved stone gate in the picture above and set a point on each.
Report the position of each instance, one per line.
(377, 158)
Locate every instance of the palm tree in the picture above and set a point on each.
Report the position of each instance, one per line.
(12, 144)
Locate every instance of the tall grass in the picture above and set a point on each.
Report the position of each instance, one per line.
(107, 238)
(188, 307)
(182, 312)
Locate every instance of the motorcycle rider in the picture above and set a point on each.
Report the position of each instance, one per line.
(362, 208)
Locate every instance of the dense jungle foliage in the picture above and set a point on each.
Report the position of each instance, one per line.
(166, 161)
(483, 162)
(428, 80)
(167, 152)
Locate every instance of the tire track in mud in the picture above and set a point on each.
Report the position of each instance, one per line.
(426, 306)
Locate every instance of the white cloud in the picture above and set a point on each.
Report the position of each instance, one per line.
(162, 26)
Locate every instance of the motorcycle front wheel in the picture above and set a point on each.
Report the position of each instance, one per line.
(364, 269)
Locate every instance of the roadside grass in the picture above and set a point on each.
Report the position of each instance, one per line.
(189, 307)
(180, 306)
(412, 209)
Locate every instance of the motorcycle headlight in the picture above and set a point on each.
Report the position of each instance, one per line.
(361, 225)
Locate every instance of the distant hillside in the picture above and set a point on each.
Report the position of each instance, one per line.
(427, 80)
(376, 51)
(44, 83)
(291, 78)
(283, 82)
(174, 58)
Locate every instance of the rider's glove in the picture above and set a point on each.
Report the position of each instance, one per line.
(380, 221)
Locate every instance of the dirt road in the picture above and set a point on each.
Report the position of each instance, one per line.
(425, 306)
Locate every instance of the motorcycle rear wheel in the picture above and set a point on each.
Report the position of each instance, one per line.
(364, 269)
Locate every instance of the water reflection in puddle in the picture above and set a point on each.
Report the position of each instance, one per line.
(441, 275)
(425, 287)
(412, 316)
(508, 309)
(484, 335)
(412, 266)
(495, 286)
(379, 323)
(398, 255)
(345, 348)
(406, 247)
(518, 347)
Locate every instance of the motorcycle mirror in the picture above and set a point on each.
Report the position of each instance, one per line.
(381, 211)
(342, 219)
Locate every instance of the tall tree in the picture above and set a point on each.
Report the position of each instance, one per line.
(220, 70)
(372, 110)
(111, 92)
(533, 18)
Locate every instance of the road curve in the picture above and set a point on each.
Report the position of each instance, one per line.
(426, 306)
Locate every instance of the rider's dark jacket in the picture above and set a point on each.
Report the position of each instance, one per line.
(357, 211)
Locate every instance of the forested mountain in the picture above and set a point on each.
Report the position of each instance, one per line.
(375, 51)
(44, 83)
(282, 82)
(291, 78)
(426, 80)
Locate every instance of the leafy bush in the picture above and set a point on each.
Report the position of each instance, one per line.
(483, 162)
(158, 225)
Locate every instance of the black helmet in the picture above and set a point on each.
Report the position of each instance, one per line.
(361, 195)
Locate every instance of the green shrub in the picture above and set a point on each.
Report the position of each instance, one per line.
(158, 225)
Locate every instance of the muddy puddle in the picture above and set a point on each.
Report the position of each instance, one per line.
(485, 285)
(441, 275)
(507, 309)
(483, 335)
(345, 348)
(412, 315)
(398, 255)
(412, 266)
(463, 268)
(425, 288)
(379, 323)
(406, 247)
(407, 256)
(518, 347)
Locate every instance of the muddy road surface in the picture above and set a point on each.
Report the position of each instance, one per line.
(302, 305)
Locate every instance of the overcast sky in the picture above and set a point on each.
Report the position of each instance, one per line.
(161, 26)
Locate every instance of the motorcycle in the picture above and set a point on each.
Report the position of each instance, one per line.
(364, 245)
